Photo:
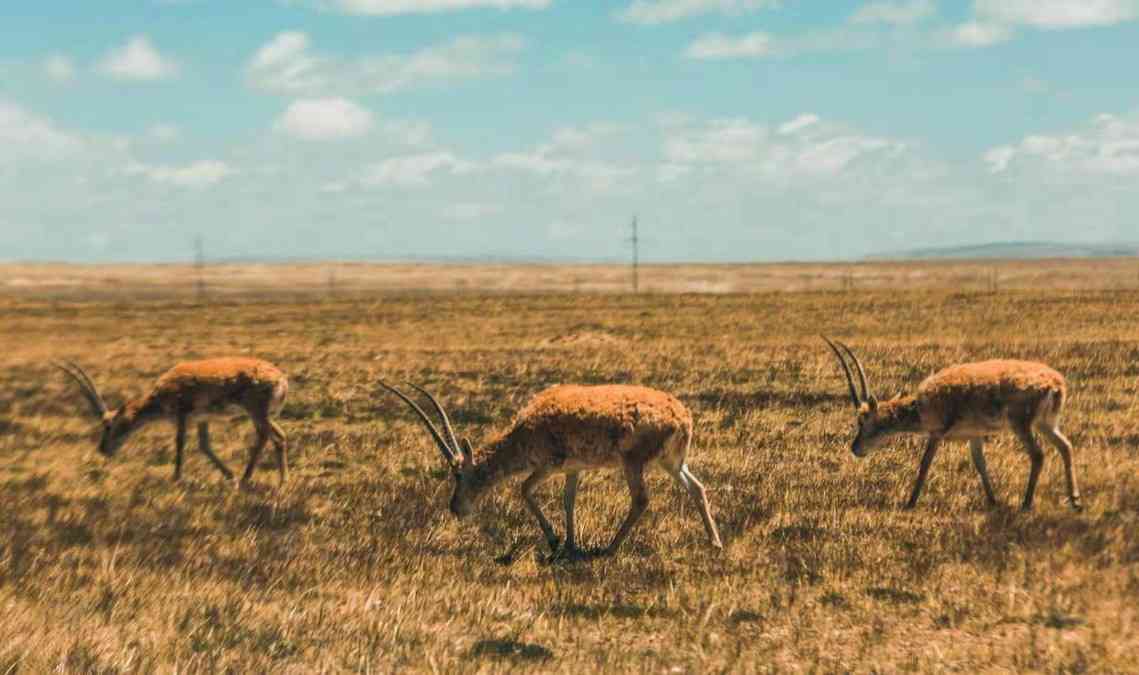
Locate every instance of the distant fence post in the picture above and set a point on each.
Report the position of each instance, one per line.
(200, 268)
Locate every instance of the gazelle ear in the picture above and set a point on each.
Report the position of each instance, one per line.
(468, 453)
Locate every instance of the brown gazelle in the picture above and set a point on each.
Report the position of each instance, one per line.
(569, 429)
(197, 388)
(970, 402)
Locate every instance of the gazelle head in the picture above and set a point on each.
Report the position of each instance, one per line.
(459, 456)
(116, 424)
(871, 431)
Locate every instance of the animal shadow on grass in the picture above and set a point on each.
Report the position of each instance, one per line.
(625, 611)
(1005, 527)
(511, 649)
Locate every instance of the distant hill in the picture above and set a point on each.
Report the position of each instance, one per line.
(1015, 250)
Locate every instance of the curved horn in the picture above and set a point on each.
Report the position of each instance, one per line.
(866, 395)
(845, 369)
(442, 413)
(448, 453)
(86, 386)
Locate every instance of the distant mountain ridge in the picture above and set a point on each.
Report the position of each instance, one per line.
(1015, 250)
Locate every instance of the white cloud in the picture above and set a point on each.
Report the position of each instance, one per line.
(163, 133)
(999, 158)
(288, 64)
(663, 11)
(470, 211)
(804, 146)
(59, 68)
(394, 7)
(894, 13)
(138, 60)
(979, 34)
(414, 170)
(799, 123)
(720, 141)
(27, 136)
(670, 172)
(1109, 144)
(200, 174)
(571, 153)
(1057, 14)
(324, 119)
(717, 46)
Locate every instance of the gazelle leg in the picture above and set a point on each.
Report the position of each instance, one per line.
(1064, 446)
(255, 452)
(923, 470)
(179, 445)
(281, 445)
(568, 502)
(1036, 456)
(638, 502)
(977, 449)
(696, 491)
(700, 496)
(528, 486)
(204, 447)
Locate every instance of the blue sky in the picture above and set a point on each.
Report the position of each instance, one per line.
(735, 129)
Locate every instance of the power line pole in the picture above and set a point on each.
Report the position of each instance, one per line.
(636, 241)
(200, 267)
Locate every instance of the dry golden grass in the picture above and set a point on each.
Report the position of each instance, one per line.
(106, 566)
(346, 280)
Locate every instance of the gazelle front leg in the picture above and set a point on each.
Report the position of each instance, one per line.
(179, 445)
(923, 470)
(204, 446)
(528, 486)
(638, 503)
(977, 450)
(1064, 446)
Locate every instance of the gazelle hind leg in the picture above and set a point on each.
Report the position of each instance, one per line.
(638, 503)
(1036, 457)
(1064, 447)
(281, 446)
(255, 453)
(977, 450)
(568, 501)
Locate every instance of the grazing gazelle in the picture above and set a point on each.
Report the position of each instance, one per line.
(195, 388)
(568, 429)
(970, 402)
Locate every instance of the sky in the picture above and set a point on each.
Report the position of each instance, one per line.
(734, 130)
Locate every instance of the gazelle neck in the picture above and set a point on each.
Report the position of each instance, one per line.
(138, 412)
(900, 415)
(498, 461)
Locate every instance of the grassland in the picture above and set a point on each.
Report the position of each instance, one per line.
(107, 566)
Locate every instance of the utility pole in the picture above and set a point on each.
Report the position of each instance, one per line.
(200, 267)
(636, 241)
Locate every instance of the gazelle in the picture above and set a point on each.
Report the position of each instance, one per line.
(971, 402)
(196, 388)
(568, 429)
